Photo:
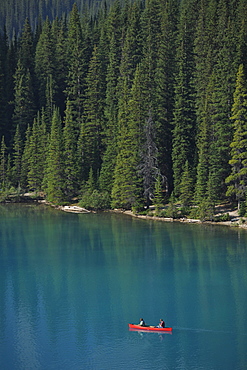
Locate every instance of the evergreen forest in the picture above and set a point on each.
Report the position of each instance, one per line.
(126, 104)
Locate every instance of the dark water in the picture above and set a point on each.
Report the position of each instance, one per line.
(69, 285)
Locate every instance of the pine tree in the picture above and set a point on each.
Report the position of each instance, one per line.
(25, 157)
(26, 50)
(164, 88)
(203, 161)
(186, 186)
(94, 114)
(111, 130)
(44, 61)
(241, 29)
(54, 175)
(126, 187)
(158, 198)
(23, 98)
(35, 174)
(6, 77)
(237, 180)
(17, 159)
(114, 36)
(205, 49)
(223, 81)
(70, 154)
(77, 66)
(126, 190)
(7, 122)
(61, 63)
(184, 113)
(3, 164)
(148, 167)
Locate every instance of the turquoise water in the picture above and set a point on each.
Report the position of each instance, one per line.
(69, 285)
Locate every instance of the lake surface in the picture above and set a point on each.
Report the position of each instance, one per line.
(70, 284)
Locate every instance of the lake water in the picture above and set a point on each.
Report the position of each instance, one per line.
(70, 284)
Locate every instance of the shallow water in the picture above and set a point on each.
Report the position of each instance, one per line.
(69, 285)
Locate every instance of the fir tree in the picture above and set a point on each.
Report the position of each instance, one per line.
(24, 98)
(77, 66)
(158, 198)
(54, 175)
(184, 113)
(35, 174)
(3, 164)
(237, 180)
(25, 157)
(94, 114)
(26, 50)
(70, 154)
(164, 88)
(186, 186)
(44, 61)
(17, 159)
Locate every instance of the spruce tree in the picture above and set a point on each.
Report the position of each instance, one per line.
(61, 63)
(126, 187)
(25, 157)
(70, 154)
(23, 98)
(35, 174)
(126, 190)
(17, 159)
(114, 36)
(44, 61)
(54, 175)
(77, 66)
(26, 50)
(237, 180)
(94, 119)
(184, 112)
(186, 186)
(3, 164)
(221, 97)
(164, 88)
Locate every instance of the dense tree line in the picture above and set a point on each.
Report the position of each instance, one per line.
(13, 13)
(142, 103)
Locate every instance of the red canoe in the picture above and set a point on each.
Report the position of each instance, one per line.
(148, 328)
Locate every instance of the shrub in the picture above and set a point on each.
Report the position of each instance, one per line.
(242, 209)
(222, 218)
(96, 200)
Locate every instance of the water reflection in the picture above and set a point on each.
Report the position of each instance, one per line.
(64, 275)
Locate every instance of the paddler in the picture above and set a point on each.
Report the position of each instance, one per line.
(142, 322)
(161, 324)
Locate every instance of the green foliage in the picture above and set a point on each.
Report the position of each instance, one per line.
(242, 209)
(70, 154)
(222, 218)
(36, 170)
(158, 199)
(186, 186)
(237, 180)
(205, 211)
(54, 175)
(144, 91)
(95, 200)
(17, 159)
(171, 210)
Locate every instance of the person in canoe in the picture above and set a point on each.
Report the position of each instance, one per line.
(142, 322)
(161, 324)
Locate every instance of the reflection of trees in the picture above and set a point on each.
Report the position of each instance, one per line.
(65, 271)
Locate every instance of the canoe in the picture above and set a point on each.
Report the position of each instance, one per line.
(148, 328)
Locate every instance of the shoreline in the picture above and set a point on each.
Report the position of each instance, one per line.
(235, 224)
(236, 221)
